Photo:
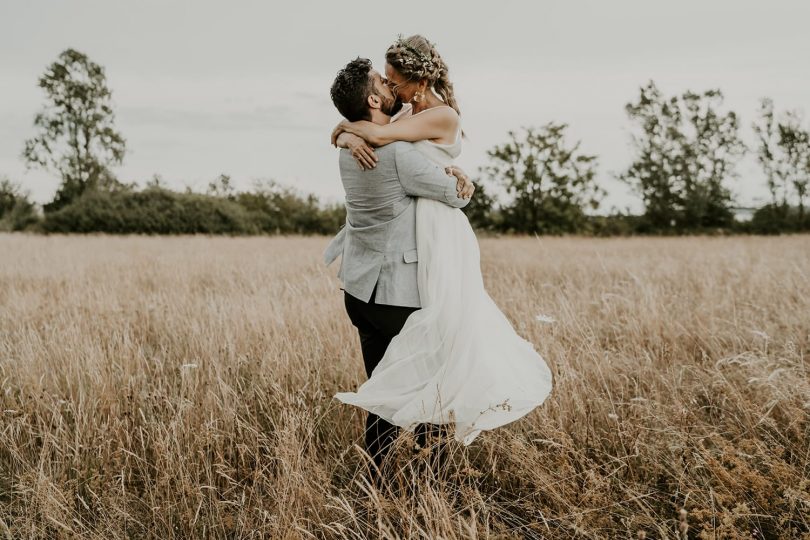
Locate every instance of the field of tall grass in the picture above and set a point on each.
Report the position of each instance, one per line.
(181, 387)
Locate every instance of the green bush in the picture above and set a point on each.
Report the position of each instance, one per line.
(157, 210)
(616, 224)
(778, 218)
(277, 209)
(17, 212)
(273, 209)
(151, 211)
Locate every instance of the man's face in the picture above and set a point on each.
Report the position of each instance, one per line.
(390, 104)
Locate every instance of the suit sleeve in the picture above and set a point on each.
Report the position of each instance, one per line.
(422, 178)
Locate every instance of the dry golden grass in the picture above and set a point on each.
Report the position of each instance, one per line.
(182, 388)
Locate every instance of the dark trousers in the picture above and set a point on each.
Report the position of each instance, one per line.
(377, 324)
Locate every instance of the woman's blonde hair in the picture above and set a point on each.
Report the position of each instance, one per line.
(416, 58)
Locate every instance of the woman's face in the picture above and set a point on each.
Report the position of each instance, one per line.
(399, 85)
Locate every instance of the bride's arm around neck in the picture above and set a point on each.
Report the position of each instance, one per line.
(437, 124)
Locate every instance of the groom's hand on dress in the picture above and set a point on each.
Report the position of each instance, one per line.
(464, 185)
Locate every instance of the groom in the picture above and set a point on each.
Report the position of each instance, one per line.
(378, 241)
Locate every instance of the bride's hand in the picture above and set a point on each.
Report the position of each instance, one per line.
(361, 152)
(464, 185)
(340, 128)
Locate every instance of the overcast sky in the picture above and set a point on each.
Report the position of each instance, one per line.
(202, 88)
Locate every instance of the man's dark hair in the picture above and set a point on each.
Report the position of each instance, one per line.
(351, 89)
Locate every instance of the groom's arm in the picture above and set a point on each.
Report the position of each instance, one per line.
(422, 178)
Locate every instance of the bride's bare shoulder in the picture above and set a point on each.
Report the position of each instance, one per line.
(445, 111)
(442, 115)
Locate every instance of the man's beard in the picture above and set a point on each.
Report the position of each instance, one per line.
(392, 107)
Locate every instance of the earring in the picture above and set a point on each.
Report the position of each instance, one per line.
(418, 96)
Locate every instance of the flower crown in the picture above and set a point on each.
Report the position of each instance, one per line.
(425, 64)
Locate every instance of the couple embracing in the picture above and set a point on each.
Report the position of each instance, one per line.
(437, 350)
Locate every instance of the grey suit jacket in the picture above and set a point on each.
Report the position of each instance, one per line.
(378, 241)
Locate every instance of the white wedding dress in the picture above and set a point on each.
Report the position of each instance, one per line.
(457, 360)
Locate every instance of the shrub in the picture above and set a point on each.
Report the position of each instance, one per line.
(17, 212)
(151, 211)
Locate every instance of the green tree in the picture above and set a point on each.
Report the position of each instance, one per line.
(769, 153)
(685, 152)
(77, 138)
(712, 151)
(795, 144)
(783, 151)
(549, 184)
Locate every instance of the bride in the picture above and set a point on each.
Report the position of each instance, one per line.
(457, 361)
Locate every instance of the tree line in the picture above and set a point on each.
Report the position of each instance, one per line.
(685, 151)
